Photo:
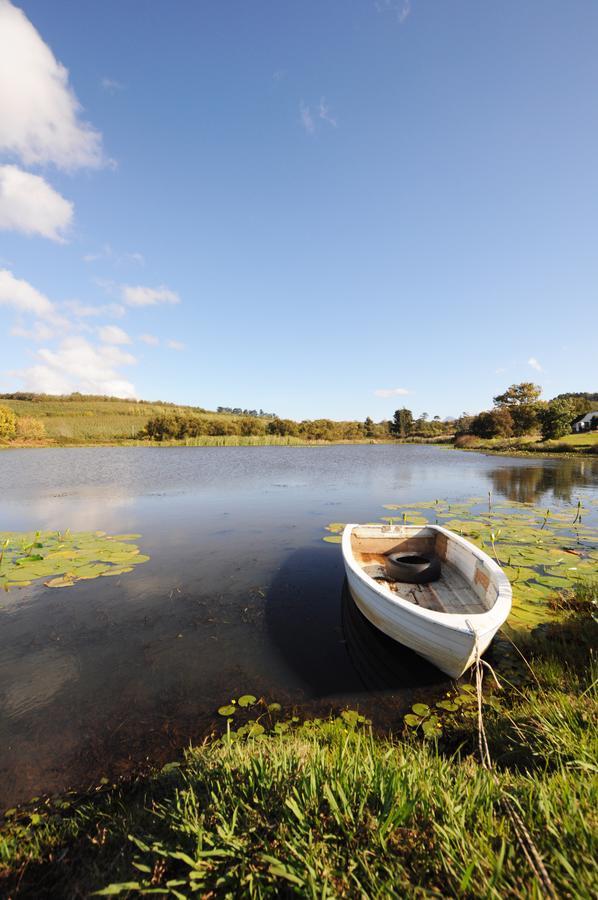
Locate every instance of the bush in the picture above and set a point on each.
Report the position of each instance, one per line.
(495, 423)
(8, 424)
(30, 429)
(464, 441)
(556, 419)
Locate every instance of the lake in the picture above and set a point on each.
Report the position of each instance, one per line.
(240, 595)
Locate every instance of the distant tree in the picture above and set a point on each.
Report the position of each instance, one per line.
(526, 392)
(494, 423)
(522, 401)
(282, 427)
(369, 428)
(424, 417)
(8, 424)
(402, 422)
(556, 418)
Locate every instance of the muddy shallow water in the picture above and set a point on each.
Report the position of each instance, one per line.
(240, 594)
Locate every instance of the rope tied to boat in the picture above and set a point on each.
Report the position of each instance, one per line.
(522, 834)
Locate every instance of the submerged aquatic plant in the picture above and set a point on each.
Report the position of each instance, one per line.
(64, 558)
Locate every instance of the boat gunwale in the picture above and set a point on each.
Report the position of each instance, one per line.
(461, 622)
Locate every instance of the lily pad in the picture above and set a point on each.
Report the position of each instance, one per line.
(247, 700)
(64, 557)
(228, 710)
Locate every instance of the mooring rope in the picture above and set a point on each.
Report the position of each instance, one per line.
(524, 838)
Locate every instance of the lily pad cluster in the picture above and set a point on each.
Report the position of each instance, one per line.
(428, 720)
(544, 552)
(270, 721)
(63, 558)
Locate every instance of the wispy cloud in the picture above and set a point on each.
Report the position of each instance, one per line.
(321, 113)
(400, 8)
(324, 113)
(307, 120)
(30, 205)
(109, 254)
(111, 85)
(85, 311)
(391, 392)
(39, 332)
(175, 345)
(40, 121)
(112, 334)
(138, 295)
(150, 339)
(533, 362)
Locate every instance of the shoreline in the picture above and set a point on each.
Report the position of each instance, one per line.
(194, 443)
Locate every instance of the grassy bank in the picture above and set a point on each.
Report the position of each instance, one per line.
(570, 445)
(326, 809)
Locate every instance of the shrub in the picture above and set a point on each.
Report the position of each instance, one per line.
(8, 424)
(463, 441)
(495, 423)
(556, 419)
(30, 429)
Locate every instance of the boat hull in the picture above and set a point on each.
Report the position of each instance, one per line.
(451, 642)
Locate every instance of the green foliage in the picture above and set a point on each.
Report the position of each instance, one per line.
(64, 557)
(524, 394)
(8, 424)
(494, 423)
(402, 423)
(556, 418)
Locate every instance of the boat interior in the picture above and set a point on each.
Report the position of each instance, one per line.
(463, 587)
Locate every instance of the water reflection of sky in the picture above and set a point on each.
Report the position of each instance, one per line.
(240, 593)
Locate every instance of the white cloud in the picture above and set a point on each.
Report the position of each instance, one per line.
(84, 311)
(78, 365)
(150, 339)
(391, 392)
(40, 121)
(111, 85)
(147, 296)
(175, 345)
(402, 8)
(135, 257)
(39, 332)
(306, 118)
(533, 362)
(117, 259)
(22, 296)
(30, 205)
(112, 334)
(324, 113)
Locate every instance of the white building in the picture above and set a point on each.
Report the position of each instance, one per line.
(589, 422)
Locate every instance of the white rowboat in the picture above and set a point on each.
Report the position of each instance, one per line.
(449, 621)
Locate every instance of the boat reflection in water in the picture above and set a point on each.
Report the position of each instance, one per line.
(381, 663)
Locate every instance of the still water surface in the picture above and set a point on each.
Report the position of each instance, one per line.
(241, 595)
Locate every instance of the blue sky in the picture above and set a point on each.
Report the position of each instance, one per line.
(317, 208)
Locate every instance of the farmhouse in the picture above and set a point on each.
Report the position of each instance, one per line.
(589, 422)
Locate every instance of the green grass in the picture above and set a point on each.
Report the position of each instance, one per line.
(329, 809)
(578, 441)
(570, 443)
(94, 421)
